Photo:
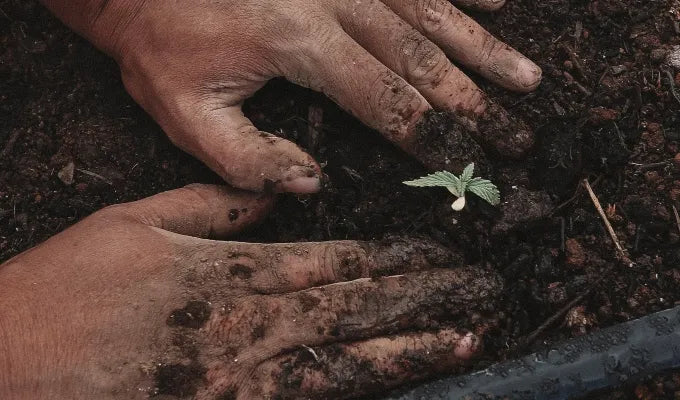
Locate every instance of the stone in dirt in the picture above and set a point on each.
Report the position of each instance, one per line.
(522, 209)
(66, 173)
(576, 256)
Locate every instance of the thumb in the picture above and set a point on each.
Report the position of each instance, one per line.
(200, 210)
(226, 141)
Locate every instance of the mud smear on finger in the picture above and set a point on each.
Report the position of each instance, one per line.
(348, 370)
(441, 143)
(504, 133)
(447, 141)
(397, 255)
(179, 380)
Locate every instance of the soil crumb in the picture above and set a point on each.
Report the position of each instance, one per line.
(179, 380)
(194, 315)
(506, 134)
(442, 143)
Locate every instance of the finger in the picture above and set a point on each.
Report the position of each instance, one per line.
(358, 369)
(354, 310)
(285, 268)
(412, 56)
(246, 158)
(468, 43)
(443, 144)
(352, 77)
(199, 210)
(483, 5)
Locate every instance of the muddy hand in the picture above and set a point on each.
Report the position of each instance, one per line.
(126, 304)
(192, 64)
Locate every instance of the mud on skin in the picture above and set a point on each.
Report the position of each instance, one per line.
(443, 144)
(345, 373)
(422, 301)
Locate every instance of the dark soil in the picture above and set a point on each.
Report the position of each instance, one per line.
(605, 111)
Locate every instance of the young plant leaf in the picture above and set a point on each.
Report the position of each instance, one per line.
(485, 189)
(467, 172)
(440, 179)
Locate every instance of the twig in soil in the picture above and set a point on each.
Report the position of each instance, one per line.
(677, 217)
(583, 89)
(648, 167)
(10, 143)
(563, 245)
(92, 174)
(604, 75)
(572, 81)
(561, 35)
(621, 139)
(315, 121)
(574, 197)
(671, 82)
(312, 352)
(621, 251)
(4, 14)
(574, 60)
(560, 313)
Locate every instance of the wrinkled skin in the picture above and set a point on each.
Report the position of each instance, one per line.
(127, 303)
(191, 64)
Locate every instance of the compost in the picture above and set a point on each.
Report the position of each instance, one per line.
(608, 110)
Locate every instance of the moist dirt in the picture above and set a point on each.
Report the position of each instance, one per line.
(606, 111)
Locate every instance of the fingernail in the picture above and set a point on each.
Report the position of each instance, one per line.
(528, 73)
(467, 346)
(300, 179)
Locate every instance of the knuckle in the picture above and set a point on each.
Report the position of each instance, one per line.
(488, 50)
(431, 15)
(305, 32)
(342, 262)
(425, 62)
(397, 104)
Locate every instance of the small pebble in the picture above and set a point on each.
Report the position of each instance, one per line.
(66, 174)
(618, 69)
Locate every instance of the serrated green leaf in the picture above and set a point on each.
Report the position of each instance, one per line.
(467, 172)
(441, 179)
(485, 189)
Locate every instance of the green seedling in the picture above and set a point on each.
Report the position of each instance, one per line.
(458, 185)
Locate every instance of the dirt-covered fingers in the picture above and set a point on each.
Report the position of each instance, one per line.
(224, 139)
(285, 268)
(468, 43)
(256, 326)
(349, 75)
(351, 370)
(411, 55)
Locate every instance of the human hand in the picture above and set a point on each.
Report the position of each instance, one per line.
(127, 303)
(192, 64)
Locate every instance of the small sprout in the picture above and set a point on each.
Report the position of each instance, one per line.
(458, 185)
